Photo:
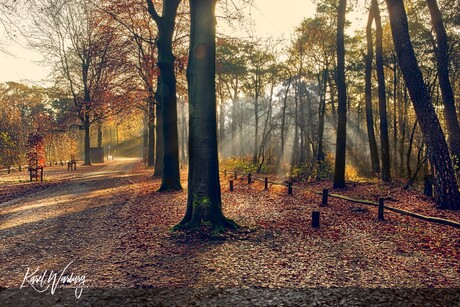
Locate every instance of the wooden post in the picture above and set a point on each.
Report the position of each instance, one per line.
(9, 169)
(315, 219)
(266, 183)
(249, 178)
(231, 185)
(235, 175)
(289, 188)
(225, 173)
(41, 174)
(381, 206)
(428, 186)
(325, 196)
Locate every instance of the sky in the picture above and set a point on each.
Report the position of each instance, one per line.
(271, 17)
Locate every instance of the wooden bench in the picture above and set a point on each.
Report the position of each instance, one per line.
(35, 172)
(72, 165)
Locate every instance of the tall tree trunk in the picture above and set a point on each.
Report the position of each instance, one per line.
(145, 134)
(86, 118)
(340, 150)
(442, 61)
(184, 135)
(170, 180)
(99, 134)
(159, 140)
(234, 117)
(222, 125)
(322, 84)
(256, 122)
(151, 131)
(283, 122)
(384, 139)
(395, 103)
(86, 124)
(375, 163)
(447, 193)
(204, 206)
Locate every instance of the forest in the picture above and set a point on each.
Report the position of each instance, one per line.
(194, 153)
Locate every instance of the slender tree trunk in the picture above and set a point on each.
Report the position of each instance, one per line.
(234, 116)
(151, 131)
(340, 151)
(375, 163)
(442, 61)
(99, 134)
(222, 125)
(395, 103)
(184, 135)
(384, 139)
(322, 84)
(86, 110)
(283, 122)
(204, 207)
(256, 123)
(447, 193)
(145, 135)
(86, 124)
(159, 143)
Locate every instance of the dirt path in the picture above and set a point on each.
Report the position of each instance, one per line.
(74, 221)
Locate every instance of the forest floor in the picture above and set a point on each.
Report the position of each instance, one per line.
(108, 226)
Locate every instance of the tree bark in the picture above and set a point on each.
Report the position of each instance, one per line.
(151, 131)
(204, 207)
(442, 61)
(99, 134)
(87, 124)
(322, 84)
(159, 143)
(375, 163)
(170, 180)
(340, 150)
(447, 193)
(384, 139)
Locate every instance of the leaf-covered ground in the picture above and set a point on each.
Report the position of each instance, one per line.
(110, 221)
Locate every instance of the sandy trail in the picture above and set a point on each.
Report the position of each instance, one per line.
(74, 221)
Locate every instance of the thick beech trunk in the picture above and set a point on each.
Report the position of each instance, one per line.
(442, 60)
(170, 180)
(446, 188)
(340, 150)
(204, 197)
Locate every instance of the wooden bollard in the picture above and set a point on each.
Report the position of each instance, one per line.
(225, 173)
(428, 186)
(235, 175)
(266, 183)
(325, 196)
(231, 185)
(381, 207)
(249, 178)
(315, 219)
(289, 188)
